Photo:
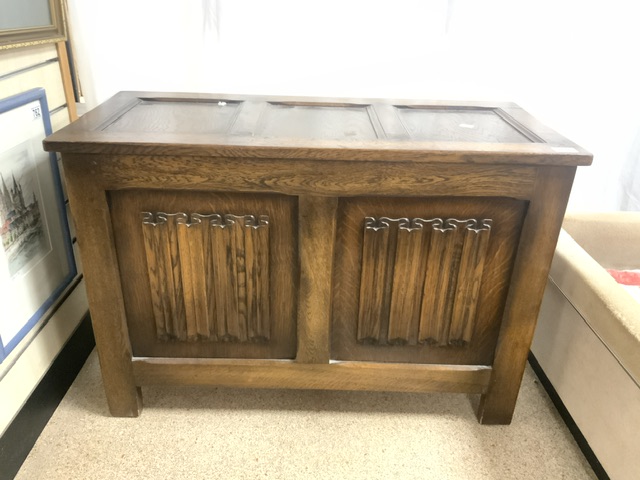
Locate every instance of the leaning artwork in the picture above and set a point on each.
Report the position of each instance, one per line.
(36, 256)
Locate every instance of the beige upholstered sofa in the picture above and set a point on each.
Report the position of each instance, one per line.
(588, 335)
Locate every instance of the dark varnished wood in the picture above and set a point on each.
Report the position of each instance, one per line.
(409, 269)
(102, 279)
(535, 252)
(163, 117)
(196, 272)
(487, 125)
(223, 292)
(422, 324)
(308, 133)
(334, 376)
(304, 177)
(329, 122)
(472, 260)
(377, 255)
(317, 219)
(444, 297)
(439, 288)
(208, 275)
(420, 279)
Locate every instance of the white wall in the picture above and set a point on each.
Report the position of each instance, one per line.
(571, 63)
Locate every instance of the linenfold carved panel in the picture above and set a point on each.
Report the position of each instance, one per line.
(420, 280)
(209, 276)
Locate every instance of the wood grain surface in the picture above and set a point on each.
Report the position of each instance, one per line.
(192, 257)
(328, 122)
(326, 178)
(472, 261)
(191, 118)
(304, 128)
(406, 244)
(409, 270)
(212, 278)
(379, 315)
(316, 229)
(104, 291)
(462, 125)
(333, 376)
(537, 244)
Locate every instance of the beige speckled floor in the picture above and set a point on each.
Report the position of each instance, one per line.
(206, 433)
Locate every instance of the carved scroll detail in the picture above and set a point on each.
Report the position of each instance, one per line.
(209, 276)
(420, 280)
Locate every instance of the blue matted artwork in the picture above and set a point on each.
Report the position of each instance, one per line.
(36, 255)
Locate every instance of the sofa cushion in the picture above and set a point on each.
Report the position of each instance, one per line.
(611, 238)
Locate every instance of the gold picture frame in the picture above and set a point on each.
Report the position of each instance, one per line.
(33, 22)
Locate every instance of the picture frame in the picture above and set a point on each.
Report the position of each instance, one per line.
(36, 253)
(31, 22)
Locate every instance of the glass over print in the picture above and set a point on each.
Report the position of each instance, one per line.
(36, 259)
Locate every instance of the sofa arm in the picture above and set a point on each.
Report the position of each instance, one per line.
(610, 312)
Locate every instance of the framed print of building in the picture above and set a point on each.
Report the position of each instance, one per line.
(36, 258)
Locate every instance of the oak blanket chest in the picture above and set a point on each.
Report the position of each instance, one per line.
(315, 243)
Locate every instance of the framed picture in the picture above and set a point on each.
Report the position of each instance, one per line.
(30, 22)
(36, 255)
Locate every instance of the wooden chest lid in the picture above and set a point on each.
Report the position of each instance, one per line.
(138, 123)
